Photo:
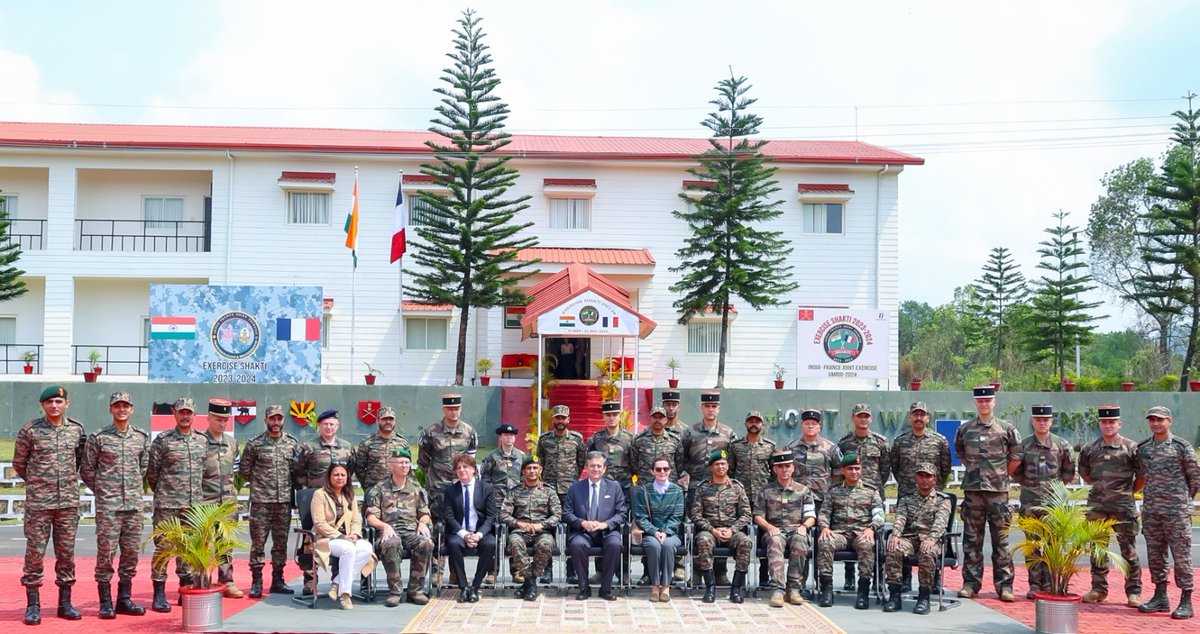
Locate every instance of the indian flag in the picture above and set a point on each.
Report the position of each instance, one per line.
(566, 321)
(172, 327)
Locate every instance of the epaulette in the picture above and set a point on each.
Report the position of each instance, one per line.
(1145, 441)
(140, 431)
(75, 422)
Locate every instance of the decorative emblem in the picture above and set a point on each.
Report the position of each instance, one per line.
(843, 343)
(368, 411)
(235, 335)
(588, 315)
(244, 411)
(302, 411)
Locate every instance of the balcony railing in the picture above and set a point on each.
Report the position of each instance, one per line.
(28, 233)
(118, 360)
(12, 355)
(161, 236)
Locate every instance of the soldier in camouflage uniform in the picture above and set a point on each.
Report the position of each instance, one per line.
(437, 447)
(220, 465)
(47, 456)
(114, 467)
(919, 444)
(1109, 464)
(531, 511)
(312, 459)
(921, 521)
(561, 454)
(1045, 458)
(502, 467)
(697, 444)
(785, 510)
(266, 464)
(750, 459)
(1169, 478)
(990, 451)
(670, 405)
(613, 441)
(872, 450)
(721, 511)
(398, 509)
(174, 474)
(370, 460)
(816, 458)
(851, 514)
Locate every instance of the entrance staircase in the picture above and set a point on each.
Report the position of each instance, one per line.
(583, 397)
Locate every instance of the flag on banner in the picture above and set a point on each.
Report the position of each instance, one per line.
(352, 224)
(304, 329)
(172, 328)
(398, 244)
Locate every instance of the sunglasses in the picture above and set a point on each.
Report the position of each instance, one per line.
(662, 468)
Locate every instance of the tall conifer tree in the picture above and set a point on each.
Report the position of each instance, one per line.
(1000, 287)
(11, 285)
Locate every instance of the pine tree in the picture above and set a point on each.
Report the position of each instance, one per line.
(726, 254)
(1000, 288)
(1058, 317)
(468, 248)
(11, 285)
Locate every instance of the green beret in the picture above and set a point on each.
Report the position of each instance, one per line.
(719, 454)
(530, 459)
(850, 460)
(402, 452)
(54, 391)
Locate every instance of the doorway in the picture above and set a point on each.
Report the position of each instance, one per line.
(573, 354)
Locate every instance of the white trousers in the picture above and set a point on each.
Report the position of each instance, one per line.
(351, 556)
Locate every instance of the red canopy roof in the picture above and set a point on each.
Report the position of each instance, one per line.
(582, 255)
(570, 282)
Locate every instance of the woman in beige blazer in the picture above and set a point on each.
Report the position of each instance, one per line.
(338, 527)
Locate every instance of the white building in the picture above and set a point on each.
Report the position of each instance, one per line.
(102, 211)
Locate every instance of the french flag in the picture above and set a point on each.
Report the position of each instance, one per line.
(304, 329)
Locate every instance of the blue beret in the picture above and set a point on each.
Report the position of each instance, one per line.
(329, 413)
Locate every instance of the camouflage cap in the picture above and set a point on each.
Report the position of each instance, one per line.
(54, 391)
(926, 467)
(530, 459)
(755, 414)
(918, 406)
(120, 397)
(560, 410)
(658, 411)
(1158, 411)
(850, 460)
(274, 410)
(717, 455)
(861, 408)
(506, 428)
(782, 456)
(185, 403)
(401, 452)
(385, 412)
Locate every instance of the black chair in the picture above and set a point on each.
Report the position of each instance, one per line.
(558, 563)
(636, 550)
(306, 541)
(849, 554)
(951, 554)
(439, 536)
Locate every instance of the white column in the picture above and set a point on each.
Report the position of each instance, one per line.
(60, 287)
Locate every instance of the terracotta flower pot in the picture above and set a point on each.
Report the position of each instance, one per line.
(370, 378)
(485, 380)
(1194, 386)
(1127, 386)
(915, 385)
(1068, 386)
(779, 384)
(29, 369)
(98, 370)
(672, 382)
(89, 377)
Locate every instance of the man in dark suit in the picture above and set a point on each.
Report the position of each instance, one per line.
(594, 508)
(470, 507)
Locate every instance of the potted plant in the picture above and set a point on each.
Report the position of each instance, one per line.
(1193, 380)
(1127, 386)
(371, 374)
(89, 377)
(29, 357)
(206, 537)
(673, 365)
(1068, 384)
(779, 372)
(1058, 537)
(482, 365)
(915, 384)
(94, 359)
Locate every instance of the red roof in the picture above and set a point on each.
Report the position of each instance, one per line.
(568, 283)
(809, 188)
(309, 177)
(417, 307)
(109, 135)
(567, 255)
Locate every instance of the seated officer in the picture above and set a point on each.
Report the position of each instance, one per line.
(785, 510)
(921, 519)
(720, 511)
(397, 508)
(850, 515)
(531, 511)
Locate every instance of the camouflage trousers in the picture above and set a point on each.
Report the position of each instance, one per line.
(1174, 532)
(419, 547)
(519, 543)
(1039, 574)
(1127, 530)
(113, 529)
(790, 548)
(269, 520)
(739, 542)
(864, 548)
(40, 528)
(988, 509)
(927, 563)
(160, 574)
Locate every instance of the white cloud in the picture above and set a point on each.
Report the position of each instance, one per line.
(24, 98)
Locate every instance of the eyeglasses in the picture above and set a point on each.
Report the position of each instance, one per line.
(661, 469)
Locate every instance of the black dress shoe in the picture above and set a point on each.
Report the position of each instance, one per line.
(583, 595)
(608, 596)
(474, 595)
(464, 596)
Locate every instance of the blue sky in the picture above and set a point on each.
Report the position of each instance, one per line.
(1018, 107)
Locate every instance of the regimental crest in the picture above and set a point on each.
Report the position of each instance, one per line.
(368, 411)
(302, 411)
(244, 411)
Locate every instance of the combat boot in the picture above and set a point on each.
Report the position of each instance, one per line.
(65, 609)
(1184, 611)
(863, 600)
(893, 601)
(160, 597)
(735, 589)
(777, 598)
(922, 606)
(106, 604)
(1157, 603)
(256, 588)
(125, 604)
(710, 587)
(523, 590)
(33, 608)
(794, 596)
(906, 580)
(532, 593)
(278, 585)
(825, 598)
(850, 576)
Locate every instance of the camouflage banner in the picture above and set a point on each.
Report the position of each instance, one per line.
(235, 334)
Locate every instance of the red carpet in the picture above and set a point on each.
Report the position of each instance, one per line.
(83, 596)
(1094, 618)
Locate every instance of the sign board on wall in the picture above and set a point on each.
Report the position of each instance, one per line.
(843, 343)
(235, 334)
(588, 314)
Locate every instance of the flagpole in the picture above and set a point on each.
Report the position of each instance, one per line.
(353, 275)
(402, 334)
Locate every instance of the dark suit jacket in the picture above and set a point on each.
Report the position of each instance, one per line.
(483, 498)
(612, 505)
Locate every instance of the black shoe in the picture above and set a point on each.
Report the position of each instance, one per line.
(1157, 603)
(532, 594)
(863, 600)
(523, 590)
(584, 594)
(922, 606)
(1184, 611)
(256, 587)
(608, 596)
(572, 578)
(710, 587)
(160, 597)
(825, 593)
(125, 604)
(547, 576)
(104, 588)
(464, 595)
(33, 608)
(735, 590)
(893, 601)
(474, 595)
(278, 586)
(65, 609)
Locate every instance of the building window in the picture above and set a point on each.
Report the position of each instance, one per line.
(162, 212)
(426, 333)
(823, 217)
(308, 208)
(325, 319)
(421, 212)
(8, 330)
(145, 330)
(570, 213)
(704, 337)
(8, 205)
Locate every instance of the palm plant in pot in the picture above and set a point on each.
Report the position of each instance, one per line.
(369, 377)
(1057, 536)
(673, 365)
(205, 537)
(482, 365)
